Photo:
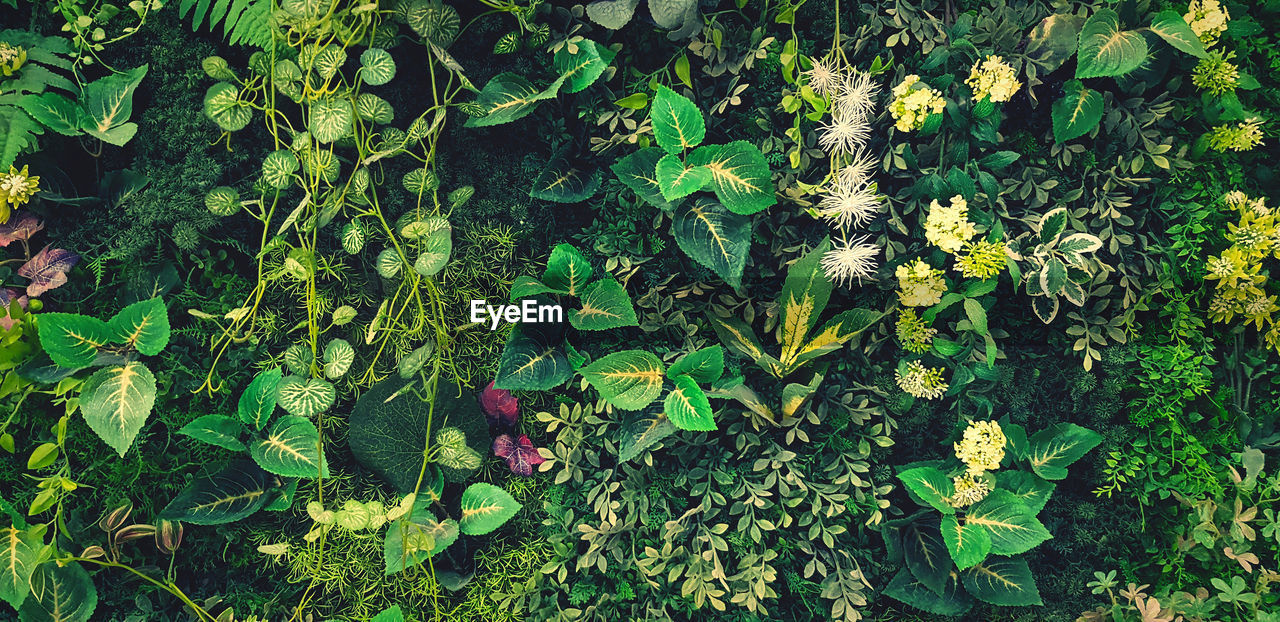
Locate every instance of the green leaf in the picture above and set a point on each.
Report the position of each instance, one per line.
(53, 111)
(434, 21)
(567, 270)
(931, 486)
(17, 134)
(258, 401)
(835, 333)
(219, 430)
(420, 181)
(641, 431)
(528, 287)
(452, 450)
(21, 551)
(1002, 581)
(737, 336)
(605, 305)
(437, 247)
(1105, 50)
(612, 14)
(687, 406)
(714, 237)
(374, 109)
(338, 357)
(1029, 489)
(60, 594)
(278, 168)
(389, 428)
(411, 541)
(677, 122)
(705, 365)
(1052, 224)
(638, 172)
(329, 60)
(805, 294)
(330, 119)
(968, 544)
(391, 614)
(1175, 31)
(144, 326)
(976, 314)
(630, 379)
(116, 401)
(227, 496)
(107, 103)
(739, 174)
(377, 67)
(1054, 40)
(506, 98)
(223, 106)
(584, 67)
(532, 360)
(950, 601)
(564, 182)
(1010, 523)
(999, 160)
(306, 397)
(484, 508)
(926, 555)
(72, 340)
(1077, 112)
(291, 449)
(677, 180)
(1051, 451)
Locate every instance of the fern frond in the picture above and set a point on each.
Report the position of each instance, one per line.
(17, 134)
(244, 22)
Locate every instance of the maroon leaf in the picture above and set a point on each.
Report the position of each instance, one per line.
(499, 405)
(7, 296)
(48, 269)
(20, 227)
(520, 454)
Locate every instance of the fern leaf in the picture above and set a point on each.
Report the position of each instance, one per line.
(244, 22)
(254, 26)
(17, 134)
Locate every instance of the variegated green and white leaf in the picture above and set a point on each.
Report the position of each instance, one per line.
(330, 119)
(374, 109)
(278, 168)
(451, 450)
(306, 398)
(21, 550)
(338, 357)
(291, 449)
(377, 67)
(388, 263)
(60, 593)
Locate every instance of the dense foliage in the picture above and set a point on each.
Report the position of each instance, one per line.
(409, 310)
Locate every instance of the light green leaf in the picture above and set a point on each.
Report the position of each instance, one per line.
(434, 21)
(291, 449)
(1010, 523)
(278, 168)
(677, 179)
(353, 236)
(1051, 451)
(53, 111)
(377, 67)
(583, 67)
(804, 297)
(420, 181)
(223, 106)
(219, 430)
(612, 14)
(506, 98)
(1002, 581)
(567, 270)
(638, 171)
(630, 379)
(641, 431)
(330, 119)
(437, 247)
(1105, 50)
(107, 104)
(714, 237)
(413, 539)
(60, 594)
(391, 614)
(306, 397)
(298, 359)
(258, 401)
(484, 508)
(968, 544)
(338, 357)
(687, 406)
(374, 109)
(116, 401)
(605, 305)
(1077, 112)
(1029, 489)
(931, 486)
(739, 174)
(329, 60)
(388, 263)
(1170, 26)
(451, 450)
(72, 340)
(227, 496)
(705, 365)
(677, 122)
(21, 550)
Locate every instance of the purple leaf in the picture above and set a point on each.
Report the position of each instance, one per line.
(48, 269)
(520, 454)
(20, 227)
(6, 297)
(499, 405)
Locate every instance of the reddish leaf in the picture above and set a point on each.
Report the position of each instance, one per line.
(48, 269)
(499, 405)
(7, 296)
(20, 227)
(520, 454)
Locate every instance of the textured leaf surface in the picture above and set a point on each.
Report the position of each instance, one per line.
(219, 430)
(484, 508)
(107, 103)
(338, 357)
(533, 359)
(565, 182)
(926, 555)
(604, 305)
(967, 543)
(714, 237)
(116, 401)
(629, 380)
(451, 450)
(223, 106)
(705, 365)
(1170, 26)
(687, 406)
(583, 67)
(1105, 50)
(1010, 523)
(20, 552)
(291, 449)
(1002, 581)
(229, 495)
(60, 594)
(1029, 489)
(519, 453)
(258, 401)
(330, 119)
(677, 122)
(144, 325)
(641, 431)
(48, 270)
(1051, 451)
(612, 14)
(638, 171)
(306, 397)
(677, 180)
(72, 340)
(930, 485)
(377, 67)
(805, 294)
(506, 98)
(1077, 112)
(740, 175)
(567, 270)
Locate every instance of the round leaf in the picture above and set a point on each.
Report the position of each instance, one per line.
(222, 104)
(306, 398)
(376, 67)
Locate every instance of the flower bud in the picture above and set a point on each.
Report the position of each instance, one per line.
(115, 517)
(168, 536)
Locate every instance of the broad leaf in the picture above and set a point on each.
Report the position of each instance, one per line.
(630, 380)
(926, 555)
(1051, 451)
(1029, 489)
(612, 14)
(836, 333)
(258, 401)
(1077, 112)
(528, 287)
(638, 171)
(605, 304)
(437, 248)
(451, 450)
(567, 270)
(20, 227)
(950, 601)
(1175, 31)
(499, 406)
(714, 237)
(107, 103)
(338, 357)
(411, 541)
(519, 453)
(377, 67)
(804, 296)
(72, 340)
(565, 182)
(291, 449)
(330, 119)
(1054, 40)
(583, 67)
(484, 508)
(1010, 523)
(677, 179)
(328, 60)
(53, 111)
(687, 406)
(278, 168)
(227, 496)
(306, 397)
(739, 174)
(931, 486)
(1002, 581)
(641, 431)
(391, 614)
(60, 594)
(705, 365)
(21, 550)
(219, 430)
(506, 98)
(142, 325)
(374, 109)
(48, 270)
(533, 359)
(434, 21)
(116, 401)
(968, 543)
(1105, 50)
(677, 122)
(223, 106)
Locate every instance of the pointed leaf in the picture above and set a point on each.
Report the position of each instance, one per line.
(931, 486)
(1012, 526)
(1105, 50)
(60, 594)
(605, 305)
(950, 601)
(687, 406)
(584, 66)
(705, 365)
(804, 296)
(1051, 451)
(291, 449)
(219, 430)
(1029, 489)
(677, 122)
(19, 227)
(107, 104)
(638, 171)
(1077, 112)
(20, 552)
(968, 544)
(227, 496)
(739, 174)
(306, 397)
(1170, 26)
(48, 269)
(532, 360)
(677, 180)
(1002, 581)
(519, 453)
(116, 401)
(926, 555)
(484, 508)
(737, 336)
(565, 182)
(72, 340)
(506, 98)
(630, 380)
(567, 270)
(641, 431)
(142, 325)
(258, 401)
(714, 237)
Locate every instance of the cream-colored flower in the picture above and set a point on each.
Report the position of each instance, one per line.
(993, 78)
(948, 227)
(851, 260)
(919, 284)
(824, 77)
(969, 490)
(913, 102)
(920, 381)
(850, 205)
(982, 447)
(1208, 20)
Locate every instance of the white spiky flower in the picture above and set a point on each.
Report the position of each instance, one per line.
(846, 133)
(856, 94)
(850, 205)
(851, 260)
(823, 78)
(857, 171)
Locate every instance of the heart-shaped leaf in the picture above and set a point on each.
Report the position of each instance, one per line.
(306, 397)
(116, 401)
(338, 357)
(484, 508)
(291, 449)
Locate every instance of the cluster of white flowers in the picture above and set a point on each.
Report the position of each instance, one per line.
(948, 227)
(851, 199)
(993, 78)
(1207, 19)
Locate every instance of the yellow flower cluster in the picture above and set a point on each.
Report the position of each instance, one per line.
(1208, 20)
(982, 447)
(1241, 281)
(1243, 136)
(982, 259)
(993, 78)
(12, 58)
(1216, 74)
(919, 284)
(16, 188)
(948, 227)
(913, 102)
(913, 333)
(970, 489)
(921, 381)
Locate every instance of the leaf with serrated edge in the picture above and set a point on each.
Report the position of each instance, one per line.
(968, 543)
(567, 270)
(629, 380)
(60, 593)
(116, 401)
(677, 122)
(931, 485)
(19, 555)
(705, 365)
(291, 449)
(641, 432)
(143, 325)
(72, 340)
(1002, 581)
(1012, 526)
(714, 237)
(258, 401)
(234, 493)
(605, 305)
(1052, 450)
(740, 175)
(484, 508)
(687, 406)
